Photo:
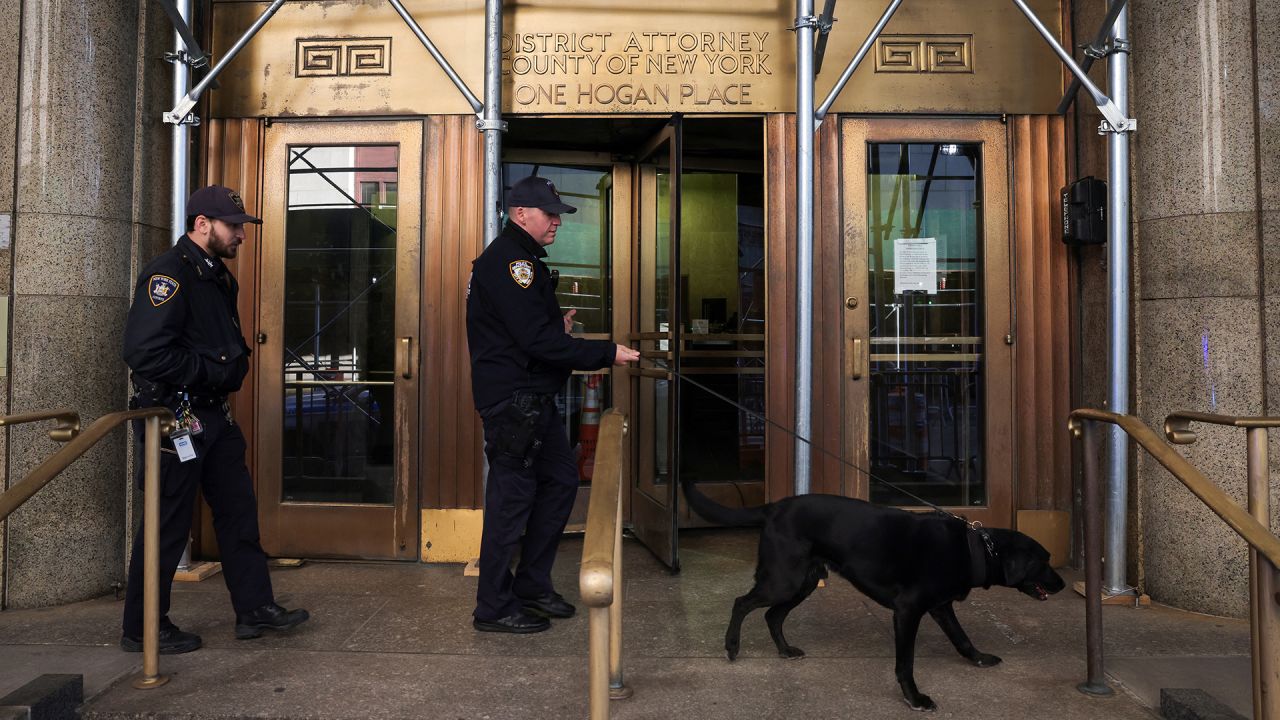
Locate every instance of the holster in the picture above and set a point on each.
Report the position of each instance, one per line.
(150, 394)
(518, 428)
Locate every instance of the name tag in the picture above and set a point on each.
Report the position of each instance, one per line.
(182, 443)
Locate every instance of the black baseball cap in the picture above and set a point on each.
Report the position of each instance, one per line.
(219, 202)
(537, 192)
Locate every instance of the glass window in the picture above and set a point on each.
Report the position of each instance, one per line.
(339, 326)
(925, 263)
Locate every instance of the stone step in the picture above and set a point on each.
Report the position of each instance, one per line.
(48, 697)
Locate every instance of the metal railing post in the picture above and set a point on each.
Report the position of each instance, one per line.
(151, 677)
(1095, 684)
(617, 688)
(600, 577)
(1264, 611)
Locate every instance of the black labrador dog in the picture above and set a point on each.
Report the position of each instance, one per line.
(908, 562)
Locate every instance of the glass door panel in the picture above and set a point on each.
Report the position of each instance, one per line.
(723, 342)
(339, 325)
(925, 269)
(337, 430)
(657, 335)
(580, 261)
(928, 352)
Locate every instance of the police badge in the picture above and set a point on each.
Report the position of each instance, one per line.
(161, 288)
(522, 272)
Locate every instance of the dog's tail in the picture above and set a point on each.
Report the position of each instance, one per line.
(717, 513)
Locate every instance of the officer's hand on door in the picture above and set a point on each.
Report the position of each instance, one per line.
(568, 320)
(624, 355)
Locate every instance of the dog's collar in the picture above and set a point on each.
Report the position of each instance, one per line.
(982, 555)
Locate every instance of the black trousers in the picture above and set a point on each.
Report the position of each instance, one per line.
(525, 509)
(219, 471)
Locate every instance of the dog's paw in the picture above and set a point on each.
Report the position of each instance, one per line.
(731, 651)
(922, 703)
(985, 660)
(791, 652)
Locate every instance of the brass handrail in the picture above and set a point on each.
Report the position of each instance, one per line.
(1210, 494)
(1264, 615)
(1263, 544)
(68, 422)
(22, 490)
(600, 578)
(157, 420)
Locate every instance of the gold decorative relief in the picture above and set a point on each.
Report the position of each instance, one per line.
(924, 54)
(897, 56)
(341, 57)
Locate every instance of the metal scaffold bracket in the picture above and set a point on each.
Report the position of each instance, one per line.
(808, 21)
(190, 60)
(194, 56)
(182, 112)
(483, 124)
(1114, 119)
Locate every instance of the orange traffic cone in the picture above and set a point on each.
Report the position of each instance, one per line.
(589, 428)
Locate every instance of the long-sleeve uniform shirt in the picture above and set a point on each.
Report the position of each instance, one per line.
(183, 330)
(515, 327)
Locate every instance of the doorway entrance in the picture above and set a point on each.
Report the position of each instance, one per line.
(659, 200)
(928, 406)
(339, 311)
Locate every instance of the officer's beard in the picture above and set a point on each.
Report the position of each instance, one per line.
(222, 242)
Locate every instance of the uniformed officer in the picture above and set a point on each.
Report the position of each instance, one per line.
(183, 342)
(521, 355)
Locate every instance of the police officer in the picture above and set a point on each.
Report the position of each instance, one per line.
(521, 355)
(183, 342)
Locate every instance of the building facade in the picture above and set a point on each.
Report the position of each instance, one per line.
(953, 330)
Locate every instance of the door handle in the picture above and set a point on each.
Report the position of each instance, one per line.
(406, 358)
(856, 358)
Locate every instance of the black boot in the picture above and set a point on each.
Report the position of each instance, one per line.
(172, 641)
(270, 617)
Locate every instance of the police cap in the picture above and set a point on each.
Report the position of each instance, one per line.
(221, 203)
(537, 192)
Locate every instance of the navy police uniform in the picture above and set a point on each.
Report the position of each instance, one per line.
(184, 345)
(521, 357)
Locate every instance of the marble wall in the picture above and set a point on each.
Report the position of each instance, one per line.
(1200, 295)
(90, 188)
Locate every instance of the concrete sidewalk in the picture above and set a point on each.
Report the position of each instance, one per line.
(395, 640)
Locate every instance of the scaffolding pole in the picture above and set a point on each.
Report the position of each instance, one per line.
(1118, 252)
(856, 61)
(181, 112)
(179, 156)
(491, 122)
(804, 27)
(1116, 125)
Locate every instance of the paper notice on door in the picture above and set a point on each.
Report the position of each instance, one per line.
(915, 263)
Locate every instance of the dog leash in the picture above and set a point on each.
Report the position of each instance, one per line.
(971, 524)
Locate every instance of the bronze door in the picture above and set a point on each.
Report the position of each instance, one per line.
(337, 432)
(927, 323)
(655, 420)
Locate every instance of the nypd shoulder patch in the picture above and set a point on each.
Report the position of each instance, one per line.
(522, 272)
(162, 289)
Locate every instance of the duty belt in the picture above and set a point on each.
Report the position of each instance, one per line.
(203, 400)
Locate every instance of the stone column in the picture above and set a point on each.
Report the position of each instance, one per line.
(9, 31)
(1199, 289)
(75, 221)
